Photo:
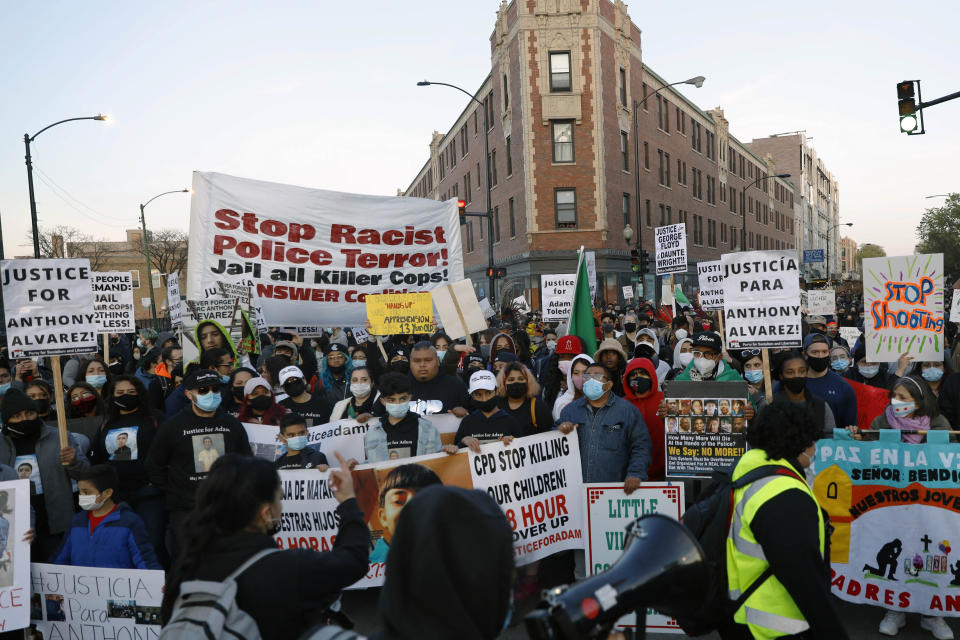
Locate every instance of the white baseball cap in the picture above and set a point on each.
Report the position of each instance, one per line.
(289, 372)
(483, 380)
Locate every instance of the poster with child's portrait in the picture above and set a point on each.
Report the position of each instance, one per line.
(710, 407)
(121, 444)
(29, 469)
(206, 449)
(706, 437)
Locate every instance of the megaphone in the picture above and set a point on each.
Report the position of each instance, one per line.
(662, 567)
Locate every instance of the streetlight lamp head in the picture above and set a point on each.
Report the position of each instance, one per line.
(103, 118)
(696, 81)
(187, 190)
(627, 233)
(423, 83)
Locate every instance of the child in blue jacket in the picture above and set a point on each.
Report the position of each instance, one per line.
(105, 534)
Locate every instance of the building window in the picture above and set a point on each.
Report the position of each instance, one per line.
(625, 204)
(663, 216)
(493, 168)
(623, 86)
(466, 188)
(474, 122)
(643, 90)
(624, 156)
(135, 277)
(496, 225)
(659, 166)
(563, 142)
(479, 176)
(669, 215)
(506, 94)
(560, 71)
(469, 236)
(660, 109)
(646, 156)
(565, 205)
(513, 220)
(649, 224)
(509, 158)
(666, 166)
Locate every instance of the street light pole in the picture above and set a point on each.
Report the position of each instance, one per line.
(491, 280)
(27, 139)
(146, 251)
(743, 206)
(839, 224)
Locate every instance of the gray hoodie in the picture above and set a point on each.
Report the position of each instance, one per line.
(662, 367)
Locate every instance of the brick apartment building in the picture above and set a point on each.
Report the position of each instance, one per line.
(849, 268)
(563, 162)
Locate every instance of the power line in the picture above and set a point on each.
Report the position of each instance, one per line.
(75, 199)
(78, 209)
(63, 194)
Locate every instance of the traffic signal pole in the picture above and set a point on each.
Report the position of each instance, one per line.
(911, 111)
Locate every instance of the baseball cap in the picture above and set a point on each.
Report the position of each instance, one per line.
(473, 357)
(505, 355)
(200, 378)
(482, 380)
(289, 372)
(708, 339)
(817, 320)
(569, 345)
(335, 346)
(253, 383)
(813, 338)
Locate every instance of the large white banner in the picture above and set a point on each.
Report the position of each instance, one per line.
(307, 246)
(557, 296)
(761, 299)
(49, 307)
(113, 301)
(343, 436)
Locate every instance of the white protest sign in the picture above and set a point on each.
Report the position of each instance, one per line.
(761, 299)
(821, 302)
(710, 276)
(607, 511)
(113, 301)
(343, 436)
(520, 304)
(458, 309)
(360, 335)
(955, 306)
(671, 248)
(305, 331)
(174, 304)
(14, 555)
(590, 259)
(666, 294)
(88, 602)
(850, 334)
(627, 292)
(487, 310)
(305, 246)
(556, 295)
(49, 307)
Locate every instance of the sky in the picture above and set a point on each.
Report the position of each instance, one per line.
(323, 94)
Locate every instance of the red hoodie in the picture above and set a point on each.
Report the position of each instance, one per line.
(648, 404)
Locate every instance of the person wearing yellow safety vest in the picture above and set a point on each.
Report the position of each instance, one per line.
(778, 529)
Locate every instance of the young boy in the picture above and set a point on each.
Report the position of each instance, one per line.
(293, 433)
(400, 484)
(401, 433)
(105, 534)
(489, 422)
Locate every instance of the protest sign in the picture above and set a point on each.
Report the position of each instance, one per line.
(87, 602)
(520, 304)
(49, 307)
(590, 259)
(14, 555)
(705, 427)
(487, 310)
(113, 301)
(607, 511)
(710, 276)
(342, 436)
(303, 246)
(761, 299)
(903, 306)
(174, 304)
(360, 335)
(671, 248)
(821, 302)
(458, 309)
(394, 313)
(305, 331)
(536, 480)
(895, 510)
(627, 292)
(556, 295)
(955, 306)
(850, 334)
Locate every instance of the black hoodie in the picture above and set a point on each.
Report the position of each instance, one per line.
(449, 569)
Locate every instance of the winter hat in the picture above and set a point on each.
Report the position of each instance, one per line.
(15, 401)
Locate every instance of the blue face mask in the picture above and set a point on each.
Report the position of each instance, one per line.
(753, 376)
(868, 371)
(593, 389)
(209, 401)
(397, 410)
(297, 443)
(4, 387)
(96, 381)
(224, 379)
(930, 375)
(840, 365)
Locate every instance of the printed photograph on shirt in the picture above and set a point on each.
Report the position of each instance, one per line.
(121, 444)
(206, 449)
(29, 469)
(713, 425)
(398, 453)
(267, 451)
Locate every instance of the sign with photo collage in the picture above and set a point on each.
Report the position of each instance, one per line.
(705, 427)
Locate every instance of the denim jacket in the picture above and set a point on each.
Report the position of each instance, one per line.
(614, 441)
(375, 441)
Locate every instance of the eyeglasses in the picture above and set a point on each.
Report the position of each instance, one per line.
(595, 376)
(228, 365)
(703, 354)
(750, 353)
(204, 390)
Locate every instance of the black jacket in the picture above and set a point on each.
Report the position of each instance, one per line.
(286, 592)
(950, 399)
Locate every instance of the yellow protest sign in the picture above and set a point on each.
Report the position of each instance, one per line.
(392, 313)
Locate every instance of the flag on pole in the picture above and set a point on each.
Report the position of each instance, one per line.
(581, 314)
(681, 299)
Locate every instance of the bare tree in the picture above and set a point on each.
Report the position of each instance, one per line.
(168, 250)
(63, 241)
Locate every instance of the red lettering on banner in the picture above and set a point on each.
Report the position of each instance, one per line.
(284, 292)
(935, 604)
(11, 599)
(348, 234)
(887, 597)
(543, 510)
(872, 591)
(904, 600)
(227, 220)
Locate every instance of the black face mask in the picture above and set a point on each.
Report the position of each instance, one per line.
(43, 405)
(644, 350)
(630, 327)
(400, 366)
(261, 403)
(116, 368)
(24, 429)
(818, 364)
(641, 385)
(337, 370)
(486, 405)
(237, 393)
(607, 328)
(127, 402)
(295, 388)
(517, 389)
(794, 385)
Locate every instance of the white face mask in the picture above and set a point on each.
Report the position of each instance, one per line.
(681, 334)
(564, 366)
(705, 365)
(360, 389)
(89, 503)
(552, 345)
(686, 358)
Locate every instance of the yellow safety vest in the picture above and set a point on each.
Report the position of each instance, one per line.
(770, 612)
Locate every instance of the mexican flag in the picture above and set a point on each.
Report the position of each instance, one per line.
(581, 315)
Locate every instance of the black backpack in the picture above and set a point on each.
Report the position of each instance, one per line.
(709, 521)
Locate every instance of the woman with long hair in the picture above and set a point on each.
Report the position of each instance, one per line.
(518, 391)
(94, 372)
(259, 406)
(237, 514)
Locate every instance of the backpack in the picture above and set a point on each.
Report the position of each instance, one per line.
(207, 610)
(709, 521)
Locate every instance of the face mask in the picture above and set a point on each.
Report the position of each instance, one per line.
(25, 428)
(681, 334)
(274, 526)
(704, 365)
(43, 405)
(794, 385)
(297, 443)
(84, 405)
(486, 405)
(593, 389)
(97, 381)
(686, 358)
(441, 354)
(577, 381)
(932, 374)
(868, 371)
(630, 327)
(552, 345)
(517, 389)
(261, 403)
(295, 388)
(359, 363)
(563, 365)
(237, 393)
(818, 364)
(139, 343)
(485, 350)
(753, 376)
(397, 410)
(5, 387)
(127, 402)
(89, 503)
(641, 385)
(224, 379)
(840, 365)
(902, 409)
(645, 350)
(360, 389)
(340, 368)
(607, 328)
(208, 401)
(400, 366)
(116, 368)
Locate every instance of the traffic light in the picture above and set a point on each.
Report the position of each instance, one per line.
(646, 262)
(496, 272)
(462, 207)
(634, 260)
(907, 104)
